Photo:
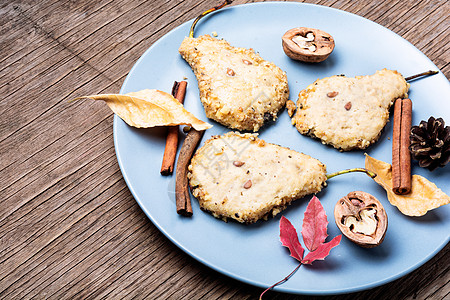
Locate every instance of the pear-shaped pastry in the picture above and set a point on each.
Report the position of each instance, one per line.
(237, 87)
(241, 177)
(349, 113)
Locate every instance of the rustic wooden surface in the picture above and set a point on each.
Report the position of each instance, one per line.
(69, 227)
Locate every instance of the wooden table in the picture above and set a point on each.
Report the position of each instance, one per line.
(69, 226)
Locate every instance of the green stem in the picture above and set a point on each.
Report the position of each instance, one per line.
(191, 32)
(369, 173)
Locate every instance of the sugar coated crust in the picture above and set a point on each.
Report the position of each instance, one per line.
(237, 87)
(349, 113)
(241, 177)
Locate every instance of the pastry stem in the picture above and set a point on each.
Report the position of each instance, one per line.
(191, 32)
(369, 173)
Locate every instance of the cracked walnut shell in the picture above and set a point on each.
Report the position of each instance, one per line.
(361, 218)
(307, 44)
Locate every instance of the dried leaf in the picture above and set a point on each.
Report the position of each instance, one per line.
(149, 108)
(314, 229)
(322, 251)
(289, 238)
(424, 195)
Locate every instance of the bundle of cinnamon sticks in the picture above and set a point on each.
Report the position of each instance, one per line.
(183, 199)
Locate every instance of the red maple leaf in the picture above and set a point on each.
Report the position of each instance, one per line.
(314, 232)
(322, 251)
(289, 238)
(314, 229)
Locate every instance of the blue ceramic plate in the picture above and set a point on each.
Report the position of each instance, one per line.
(253, 253)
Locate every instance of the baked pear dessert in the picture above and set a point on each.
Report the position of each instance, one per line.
(241, 177)
(348, 113)
(237, 87)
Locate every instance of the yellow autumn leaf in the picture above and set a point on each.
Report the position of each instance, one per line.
(149, 108)
(424, 195)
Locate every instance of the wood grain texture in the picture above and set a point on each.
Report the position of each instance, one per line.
(69, 227)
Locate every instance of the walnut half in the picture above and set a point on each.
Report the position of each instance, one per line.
(361, 218)
(307, 44)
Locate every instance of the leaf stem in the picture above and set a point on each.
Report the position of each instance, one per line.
(280, 282)
(369, 173)
(191, 31)
(427, 73)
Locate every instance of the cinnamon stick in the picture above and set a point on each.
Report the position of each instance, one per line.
(183, 199)
(170, 152)
(401, 157)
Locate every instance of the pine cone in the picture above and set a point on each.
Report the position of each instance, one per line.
(430, 143)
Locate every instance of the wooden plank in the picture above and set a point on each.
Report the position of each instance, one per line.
(31, 235)
(63, 69)
(17, 32)
(123, 48)
(139, 263)
(124, 219)
(52, 253)
(28, 164)
(93, 275)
